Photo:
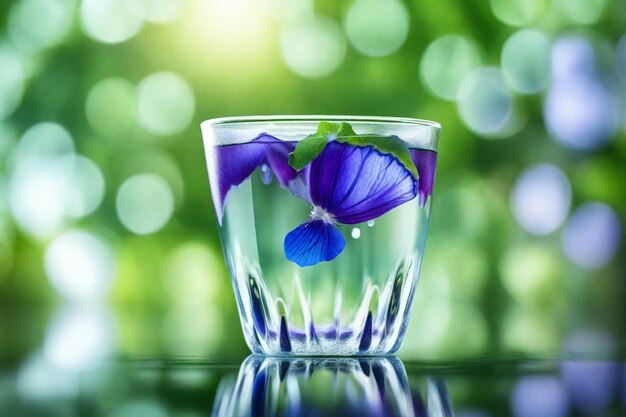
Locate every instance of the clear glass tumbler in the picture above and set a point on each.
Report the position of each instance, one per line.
(323, 223)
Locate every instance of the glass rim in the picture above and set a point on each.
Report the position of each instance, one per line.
(239, 120)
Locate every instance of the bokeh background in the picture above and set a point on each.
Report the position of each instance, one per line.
(108, 239)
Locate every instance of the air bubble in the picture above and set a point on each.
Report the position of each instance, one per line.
(370, 223)
(266, 174)
(356, 233)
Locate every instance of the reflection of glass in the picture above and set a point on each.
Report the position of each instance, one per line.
(341, 282)
(328, 387)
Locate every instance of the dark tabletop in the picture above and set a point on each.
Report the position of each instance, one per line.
(365, 386)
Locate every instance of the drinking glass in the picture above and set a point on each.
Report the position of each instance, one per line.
(323, 223)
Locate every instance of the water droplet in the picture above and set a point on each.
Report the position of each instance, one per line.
(266, 174)
(356, 233)
(370, 223)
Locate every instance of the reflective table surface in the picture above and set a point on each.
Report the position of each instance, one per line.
(368, 386)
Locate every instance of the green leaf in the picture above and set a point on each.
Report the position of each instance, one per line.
(334, 130)
(392, 145)
(310, 147)
(307, 150)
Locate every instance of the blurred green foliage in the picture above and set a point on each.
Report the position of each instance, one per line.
(132, 85)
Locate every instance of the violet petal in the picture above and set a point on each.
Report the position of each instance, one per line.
(299, 186)
(278, 159)
(313, 242)
(425, 162)
(235, 163)
(358, 183)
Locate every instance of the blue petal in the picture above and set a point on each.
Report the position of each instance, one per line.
(313, 242)
(359, 183)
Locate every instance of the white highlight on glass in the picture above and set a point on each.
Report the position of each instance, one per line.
(377, 27)
(145, 203)
(591, 236)
(12, 74)
(313, 48)
(79, 338)
(80, 266)
(446, 62)
(539, 396)
(165, 103)
(541, 199)
(157, 11)
(356, 233)
(526, 61)
(110, 106)
(485, 103)
(266, 174)
(109, 21)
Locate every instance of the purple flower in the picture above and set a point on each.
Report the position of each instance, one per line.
(345, 184)
(425, 162)
(235, 163)
(348, 184)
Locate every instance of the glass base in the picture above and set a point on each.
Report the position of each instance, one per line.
(376, 324)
